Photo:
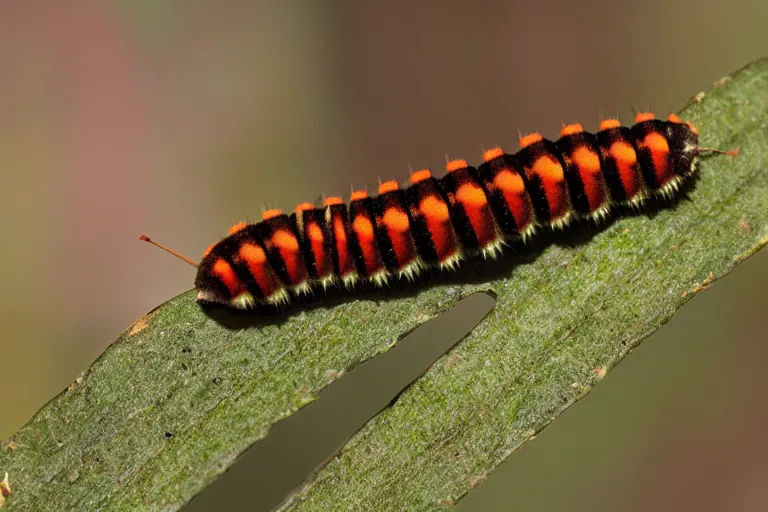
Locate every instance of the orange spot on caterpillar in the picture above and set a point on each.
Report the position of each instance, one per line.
(388, 186)
(588, 163)
(237, 227)
(226, 274)
(607, 124)
(455, 165)
(693, 128)
(626, 165)
(315, 232)
(586, 159)
(492, 153)
(438, 219)
(363, 228)
(285, 240)
(256, 260)
(570, 129)
(512, 187)
(317, 241)
(252, 254)
(396, 220)
(529, 139)
(398, 229)
(623, 152)
(475, 204)
(208, 250)
(472, 195)
(288, 246)
(346, 264)
(659, 148)
(509, 182)
(434, 209)
(358, 194)
(421, 175)
(271, 214)
(656, 142)
(672, 118)
(548, 169)
(552, 178)
(339, 232)
(331, 201)
(644, 116)
(302, 207)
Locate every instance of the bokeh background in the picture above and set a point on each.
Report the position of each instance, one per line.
(179, 118)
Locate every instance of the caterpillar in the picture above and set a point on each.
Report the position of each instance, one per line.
(438, 222)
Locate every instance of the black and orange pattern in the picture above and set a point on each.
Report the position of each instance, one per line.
(437, 222)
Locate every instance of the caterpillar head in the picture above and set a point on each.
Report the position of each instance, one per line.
(684, 145)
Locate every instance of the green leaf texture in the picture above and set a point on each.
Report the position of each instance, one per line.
(172, 403)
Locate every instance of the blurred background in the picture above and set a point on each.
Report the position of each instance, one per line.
(179, 118)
